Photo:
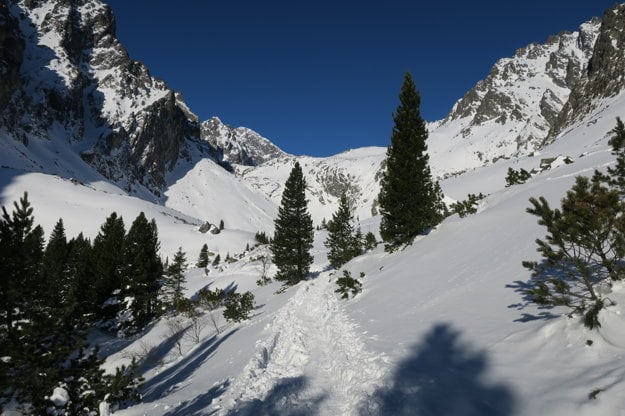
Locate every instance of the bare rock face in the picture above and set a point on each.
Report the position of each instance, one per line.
(529, 89)
(239, 146)
(69, 80)
(605, 73)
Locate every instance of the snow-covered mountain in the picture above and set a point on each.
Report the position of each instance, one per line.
(440, 328)
(239, 145)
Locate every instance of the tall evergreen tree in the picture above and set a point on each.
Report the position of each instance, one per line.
(410, 199)
(173, 287)
(108, 259)
(343, 241)
(55, 273)
(293, 236)
(142, 269)
(80, 268)
(21, 253)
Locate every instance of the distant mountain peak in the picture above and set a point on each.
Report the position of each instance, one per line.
(240, 145)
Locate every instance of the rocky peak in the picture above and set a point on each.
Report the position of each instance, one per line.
(604, 76)
(73, 82)
(240, 146)
(511, 111)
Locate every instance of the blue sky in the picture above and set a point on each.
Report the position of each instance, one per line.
(320, 77)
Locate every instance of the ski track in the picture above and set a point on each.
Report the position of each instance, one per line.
(312, 338)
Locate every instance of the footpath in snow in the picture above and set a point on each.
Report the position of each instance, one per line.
(312, 361)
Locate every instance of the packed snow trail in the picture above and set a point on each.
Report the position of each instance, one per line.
(312, 361)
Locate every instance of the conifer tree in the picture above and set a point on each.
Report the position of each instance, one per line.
(21, 253)
(217, 260)
(410, 199)
(293, 235)
(108, 259)
(80, 270)
(617, 173)
(55, 273)
(142, 270)
(202, 261)
(343, 242)
(175, 280)
(585, 245)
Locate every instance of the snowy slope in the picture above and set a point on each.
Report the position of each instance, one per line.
(440, 328)
(354, 172)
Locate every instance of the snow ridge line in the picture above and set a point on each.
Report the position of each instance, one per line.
(311, 336)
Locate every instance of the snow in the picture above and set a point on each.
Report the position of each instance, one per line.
(440, 327)
(59, 397)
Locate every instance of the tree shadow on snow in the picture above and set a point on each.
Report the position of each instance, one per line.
(546, 273)
(159, 385)
(284, 399)
(522, 288)
(197, 406)
(442, 377)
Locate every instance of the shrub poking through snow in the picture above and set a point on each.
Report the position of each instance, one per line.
(347, 284)
(238, 306)
(517, 177)
(584, 247)
(468, 206)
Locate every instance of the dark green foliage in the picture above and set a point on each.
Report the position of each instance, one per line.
(216, 260)
(238, 306)
(221, 225)
(517, 177)
(617, 173)
(410, 199)
(585, 245)
(123, 386)
(173, 286)
(48, 348)
(202, 261)
(211, 299)
(370, 241)
(108, 259)
(293, 236)
(468, 206)
(261, 238)
(80, 267)
(347, 284)
(343, 242)
(142, 271)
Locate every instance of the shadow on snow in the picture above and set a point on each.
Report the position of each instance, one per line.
(159, 385)
(284, 399)
(442, 377)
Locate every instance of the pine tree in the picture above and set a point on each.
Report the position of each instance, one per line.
(343, 242)
(410, 200)
(370, 241)
(55, 273)
(175, 280)
(142, 269)
(202, 261)
(21, 293)
(221, 225)
(617, 173)
(108, 259)
(585, 245)
(293, 236)
(216, 260)
(80, 269)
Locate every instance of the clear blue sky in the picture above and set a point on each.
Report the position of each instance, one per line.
(320, 77)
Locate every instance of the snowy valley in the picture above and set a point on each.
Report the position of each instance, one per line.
(441, 327)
